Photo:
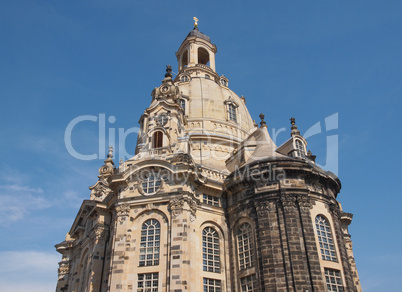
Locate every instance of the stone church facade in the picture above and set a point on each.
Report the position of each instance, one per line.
(209, 202)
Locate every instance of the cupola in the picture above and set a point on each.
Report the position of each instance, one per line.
(196, 50)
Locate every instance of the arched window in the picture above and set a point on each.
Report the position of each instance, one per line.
(84, 280)
(325, 240)
(203, 56)
(300, 149)
(157, 140)
(210, 250)
(232, 112)
(245, 246)
(150, 243)
(151, 183)
(183, 104)
(184, 78)
(184, 59)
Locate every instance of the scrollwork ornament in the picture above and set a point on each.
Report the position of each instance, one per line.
(335, 210)
(101, 234)
(288, 202)
(100, 189)
(176, 207)
(261, 210)
(122, 212)
(304, 203)
(182, 158)
(64, 268)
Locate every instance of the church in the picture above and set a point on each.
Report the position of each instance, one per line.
(209, 202)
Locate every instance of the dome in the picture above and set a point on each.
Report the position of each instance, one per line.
(217, 119)
(209, 102)
(195, 32)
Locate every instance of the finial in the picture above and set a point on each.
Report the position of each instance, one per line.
(294, 129)
(311, 156)
(168, 71)
(262, 123)
(195, 22)
(107, 168)
(110, 155)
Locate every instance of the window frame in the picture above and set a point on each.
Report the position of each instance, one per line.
(150, 240)
(240, 244)
(248, 280)
(144, 287)
(333, 281)
(232, 112)
(210, 200)
(215, 284)
(326, 244)
(151, 186)
(157, 139)
(300, 148)
(182, 104)
(211, 258)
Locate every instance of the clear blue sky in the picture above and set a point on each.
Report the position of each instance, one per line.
(307, 59)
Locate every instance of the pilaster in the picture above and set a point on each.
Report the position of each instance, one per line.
(182, 212)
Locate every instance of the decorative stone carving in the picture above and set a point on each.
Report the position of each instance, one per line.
(64, 268)
(262, 208)
(101, 189)
(176, 206)
(101, 233)
(182, 158)
(335, 210)
(288, 202)
(122, 212)
(108, 168)
(304, 203)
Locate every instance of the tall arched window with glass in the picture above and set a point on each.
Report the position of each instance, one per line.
(84, 280)
(150, 243)
(157, 139)
(210, 250)
(232, 112)
(300, 149)
(245, 246)
(325, 240)
(183, 104)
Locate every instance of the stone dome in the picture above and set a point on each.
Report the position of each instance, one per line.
(217, 119)
(209, 101)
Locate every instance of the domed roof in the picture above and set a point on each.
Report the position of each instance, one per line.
(208, 101)
(195, 32)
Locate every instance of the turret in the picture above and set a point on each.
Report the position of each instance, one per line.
(196, 50)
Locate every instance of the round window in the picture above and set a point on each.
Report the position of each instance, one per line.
(151, 183)
(162, 120)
